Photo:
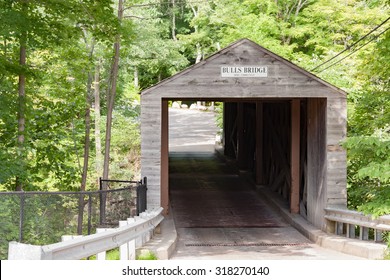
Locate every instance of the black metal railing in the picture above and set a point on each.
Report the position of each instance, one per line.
(139, 197)
(40, 218)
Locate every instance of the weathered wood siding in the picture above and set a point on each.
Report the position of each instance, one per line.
(204, 79)
(336, 131)
(316, 160)
(151, 146)
(326, 116)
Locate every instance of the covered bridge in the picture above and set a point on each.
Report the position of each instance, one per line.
(281, 122)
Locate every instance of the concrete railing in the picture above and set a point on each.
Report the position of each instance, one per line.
(348, 222)
(130, 234)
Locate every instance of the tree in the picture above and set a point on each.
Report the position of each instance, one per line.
(31, 35)
(368, 143)
(111, 95)
(26, 26)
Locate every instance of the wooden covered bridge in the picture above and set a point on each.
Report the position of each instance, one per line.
(280, 122)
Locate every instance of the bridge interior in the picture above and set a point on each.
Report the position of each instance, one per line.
(257, 139)
(206, 188)
(217, 211)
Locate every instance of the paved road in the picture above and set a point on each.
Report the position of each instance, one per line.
(217, 212)
(191, 131)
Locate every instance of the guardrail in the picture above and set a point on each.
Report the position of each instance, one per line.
(349, 223)
(130, 234)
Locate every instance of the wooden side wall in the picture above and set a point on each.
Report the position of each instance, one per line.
(151, 147)
(336, 156)
(316, 161)
(327, 160)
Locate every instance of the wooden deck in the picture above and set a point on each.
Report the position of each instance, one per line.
(205, 192)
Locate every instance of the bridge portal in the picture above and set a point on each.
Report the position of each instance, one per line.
(280, 122)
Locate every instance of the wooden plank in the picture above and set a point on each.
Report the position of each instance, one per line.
(295, 152)
(239, 89)
(336, 201)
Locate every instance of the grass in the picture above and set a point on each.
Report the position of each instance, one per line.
(114, 255)
(147, 255)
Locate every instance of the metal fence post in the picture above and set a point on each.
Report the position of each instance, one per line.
(145, 193)
(21, 216)
(138, 198)
(89, 213)
(141, 196)
(102, 218)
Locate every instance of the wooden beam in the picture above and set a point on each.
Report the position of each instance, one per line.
(164, 177)
(259, 143)
(295, 146)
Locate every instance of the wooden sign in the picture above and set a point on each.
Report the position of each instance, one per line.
(244, 71)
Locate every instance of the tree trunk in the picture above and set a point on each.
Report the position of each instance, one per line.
(22, 106)
(98, 142)
(87, 141)
(111, 98)
(110, 108)
(199, 54)
(136, 78)
(173, 21)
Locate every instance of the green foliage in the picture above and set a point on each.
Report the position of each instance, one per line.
(387, 253)
(371, 154)
(219, 114)
(368, 143)
(56, 70)
(147, 255)
(152, 51)
(9, 227)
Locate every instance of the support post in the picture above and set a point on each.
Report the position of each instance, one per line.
(350, 231)
(102, 215)
(339, 228)
(89, 213)
(20, 251)
(378, 236)
(295, 152)
(102, 255)
(363, 234)
(21, 216)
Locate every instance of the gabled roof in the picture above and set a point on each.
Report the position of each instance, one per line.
(230, 48)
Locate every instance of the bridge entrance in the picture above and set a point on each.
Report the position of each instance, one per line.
(282, 124)
(206, 189)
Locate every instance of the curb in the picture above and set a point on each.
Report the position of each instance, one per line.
(163, 244)
(359, 248)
